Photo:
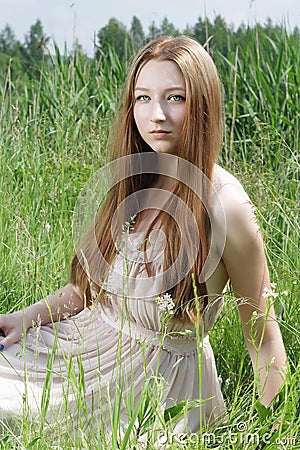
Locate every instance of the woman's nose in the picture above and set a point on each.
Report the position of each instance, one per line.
(158, 112)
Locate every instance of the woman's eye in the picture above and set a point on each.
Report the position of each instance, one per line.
(177, 98)
(143, 98)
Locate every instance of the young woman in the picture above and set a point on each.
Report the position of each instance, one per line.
(143, 295)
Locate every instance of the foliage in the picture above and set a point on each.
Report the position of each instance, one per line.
(265, 73)
(137, 34)
(115, 35)
(53, 129)
(35, 45)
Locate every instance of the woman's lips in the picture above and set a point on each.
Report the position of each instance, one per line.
(159, 133)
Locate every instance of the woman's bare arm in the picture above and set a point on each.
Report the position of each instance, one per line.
(61, 304)
(57, 306)
(246, 265)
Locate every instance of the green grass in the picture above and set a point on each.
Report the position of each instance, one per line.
(52, 139)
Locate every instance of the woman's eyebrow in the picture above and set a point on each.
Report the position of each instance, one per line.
(172, 88)
(140, 88)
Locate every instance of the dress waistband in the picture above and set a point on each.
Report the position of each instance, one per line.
(173, 342)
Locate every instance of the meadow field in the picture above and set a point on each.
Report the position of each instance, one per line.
(52, 139)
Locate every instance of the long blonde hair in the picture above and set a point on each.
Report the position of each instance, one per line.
(199, 144)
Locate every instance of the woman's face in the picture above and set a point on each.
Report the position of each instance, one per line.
(159, 107)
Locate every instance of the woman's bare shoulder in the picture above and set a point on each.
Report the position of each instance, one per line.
(221, 177)
(228, 188)
(235, 208)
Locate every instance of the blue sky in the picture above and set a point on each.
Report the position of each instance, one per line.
(66, 19)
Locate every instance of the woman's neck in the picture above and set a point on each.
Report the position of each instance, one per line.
(167, 172)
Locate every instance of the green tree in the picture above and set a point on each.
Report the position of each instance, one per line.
(202, 30)
(222, 33)
(137, 33)
(240, 35)
(35, 46)
(8, 42)
(216, 35)
(115, 35)
(167, 28)
(154, 31)
(11, 64)
(189, 31)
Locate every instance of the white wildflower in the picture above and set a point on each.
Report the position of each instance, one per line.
(254, 317)
(47, 227)
(188, 331)
(270, 293)
(165, 303)
(128, 226)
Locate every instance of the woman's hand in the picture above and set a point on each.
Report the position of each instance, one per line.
(13, 328)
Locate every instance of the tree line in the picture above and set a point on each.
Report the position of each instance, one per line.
(25, 60)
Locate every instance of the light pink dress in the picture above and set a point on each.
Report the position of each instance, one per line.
(121, 344)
